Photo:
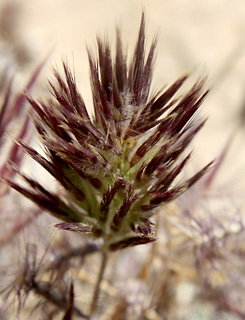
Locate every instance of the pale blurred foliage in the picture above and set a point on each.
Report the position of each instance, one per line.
(199, 234)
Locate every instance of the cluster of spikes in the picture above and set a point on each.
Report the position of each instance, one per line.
(118, 166)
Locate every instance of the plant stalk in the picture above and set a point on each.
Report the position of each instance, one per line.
(97, 288)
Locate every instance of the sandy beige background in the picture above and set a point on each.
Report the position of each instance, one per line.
(204, 36)
(201, 37)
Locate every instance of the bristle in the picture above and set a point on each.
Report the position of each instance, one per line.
(116, 167)
(119, 184)
(130, 242)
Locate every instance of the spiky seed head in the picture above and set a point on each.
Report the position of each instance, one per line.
(118, 166)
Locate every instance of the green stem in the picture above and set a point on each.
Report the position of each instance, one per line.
(97, 288)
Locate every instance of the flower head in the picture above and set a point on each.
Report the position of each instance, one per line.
(119, 165)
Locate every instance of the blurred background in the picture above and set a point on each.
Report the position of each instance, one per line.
(204, 37)
(197, 37)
